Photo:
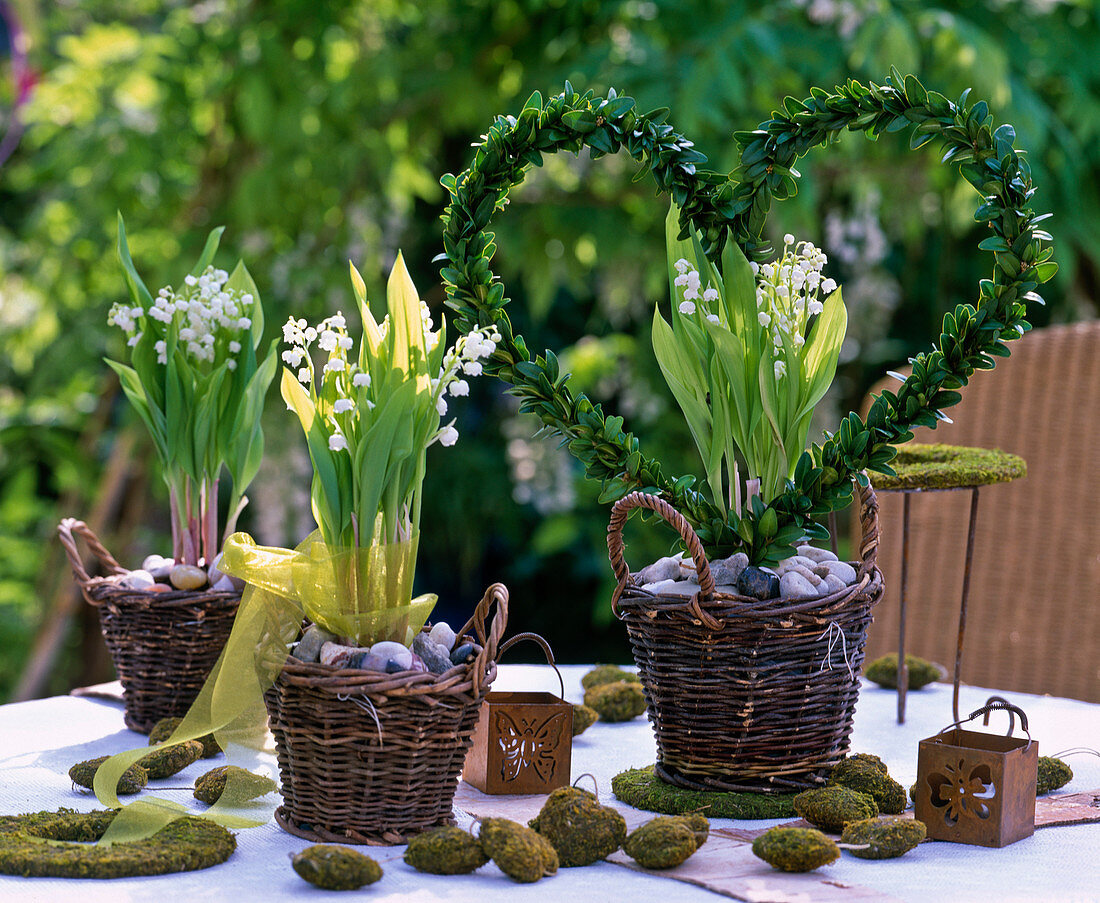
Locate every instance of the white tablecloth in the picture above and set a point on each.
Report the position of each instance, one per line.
(40, 740)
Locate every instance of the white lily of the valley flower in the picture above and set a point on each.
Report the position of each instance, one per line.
(342, 405)
(337, 442)
(448, 436)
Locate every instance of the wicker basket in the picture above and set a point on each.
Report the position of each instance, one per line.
(742, 694)
(373, 758)
(163, 644)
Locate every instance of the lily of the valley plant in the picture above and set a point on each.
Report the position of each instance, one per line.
(369, 419)
(750, 352)
(198, 382)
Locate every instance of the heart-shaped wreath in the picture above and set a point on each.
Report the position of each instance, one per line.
(720, 207)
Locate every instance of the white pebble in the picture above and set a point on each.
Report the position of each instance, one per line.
(840, 569)
(832, 584)
(394, 652)
(795, 560)
(140, 579)
(442, 635)
(793, 585)
(667, 568)
(816, 554)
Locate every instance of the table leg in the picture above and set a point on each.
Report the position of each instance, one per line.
(903, 671)
(965, 595)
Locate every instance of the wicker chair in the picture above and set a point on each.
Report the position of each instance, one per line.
(1034, 612)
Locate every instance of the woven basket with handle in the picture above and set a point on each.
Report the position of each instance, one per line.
(372, 758)
(743, 694)
(163, 644)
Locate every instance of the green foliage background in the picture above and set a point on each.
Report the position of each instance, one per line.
(316, 133)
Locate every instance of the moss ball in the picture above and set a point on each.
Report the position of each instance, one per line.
(887, 837)
(607, 674)
(133, 779)
(518, 851)
(445, 851)
(884, 671)
(795, 849)
(164, 729)
(583, 718)
(642, 789)
(246, 785)
(867, 774)
(169, 760)
(831, 808)
(185, 844)
(1053, 773)
(699, 826)
(331, 867)
(663, 843)
(618, 701)
(580, 829)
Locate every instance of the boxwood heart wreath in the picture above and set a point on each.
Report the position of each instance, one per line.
(720, 207)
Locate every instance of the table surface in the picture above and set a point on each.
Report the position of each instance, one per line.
(42, 739)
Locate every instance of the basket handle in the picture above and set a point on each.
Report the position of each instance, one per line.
(68, 530)
(547, 651)
(868, 522)
(616, 547)
(489, 637)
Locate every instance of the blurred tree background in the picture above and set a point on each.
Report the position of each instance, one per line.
(317, 132)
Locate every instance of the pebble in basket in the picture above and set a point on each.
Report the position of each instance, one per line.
(197, 380)
(749, 688)
(372, 712)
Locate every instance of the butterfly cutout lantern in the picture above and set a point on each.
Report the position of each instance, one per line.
(523, 740)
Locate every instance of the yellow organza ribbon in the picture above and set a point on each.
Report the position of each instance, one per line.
(349, 592)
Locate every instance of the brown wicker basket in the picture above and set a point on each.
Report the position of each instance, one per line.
(163, 644)
(742, 694)
(373, 758)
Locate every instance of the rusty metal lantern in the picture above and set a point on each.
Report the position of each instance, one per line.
(978, 788)
(523, 740)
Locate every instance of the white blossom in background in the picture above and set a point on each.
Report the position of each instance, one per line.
(208, 319)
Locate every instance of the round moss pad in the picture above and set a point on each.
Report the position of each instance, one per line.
(921, 466)
(642, 789)
(183, 845)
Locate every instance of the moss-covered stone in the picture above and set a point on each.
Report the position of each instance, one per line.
(935, 466)
(164, 729)
(133, 779)
(183, 845)
(663, 843)
(583, 718)
(580, 829)
(246, 784)
(607, 674)
(618, 701)
(169, 760)
(699, 826)
(445, 851)
(518, 851)
(795, 849)
(332, 867)
(1053, 773)
(868, 774)
(884, 671)
(887, 838)
(831, 808)
(642, 789)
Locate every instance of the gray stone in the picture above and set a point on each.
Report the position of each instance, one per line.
(840, 569)
(435, 657)
(158, 566)
(397, 653)
(726, 570)
(667, 568)
(187, 576)
(757, 583)
(309, 646)
(807, 573)
(792, 585)
(443, 635)
(337, 654)
(225, 584)
(365, 660)
(832, 584)
(795, 561)
(816, 554)
(461, 654)
(139, 579)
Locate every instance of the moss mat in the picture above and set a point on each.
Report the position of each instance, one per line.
(183, 845)
(922, 466)
(642, 789)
